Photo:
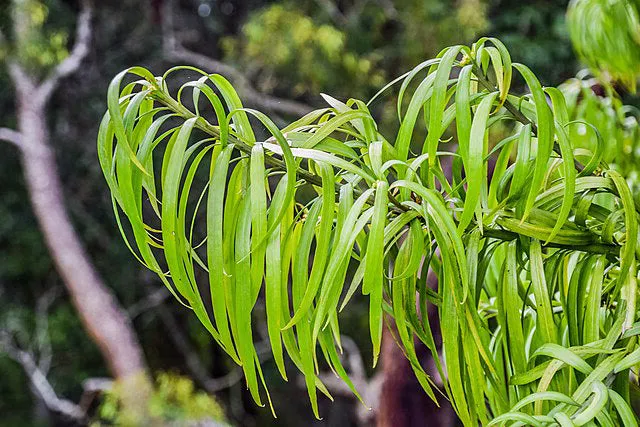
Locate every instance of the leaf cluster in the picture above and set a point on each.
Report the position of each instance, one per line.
(536, 267)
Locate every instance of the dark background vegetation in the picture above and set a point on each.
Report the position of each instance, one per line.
(290, 49)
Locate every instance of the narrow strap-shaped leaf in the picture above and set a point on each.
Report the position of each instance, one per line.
(273, 283)
(338, 258)
(322, 245)
(334, 360)
(299, 284)
(563, 420)
(438, 209)
(374, 261)
(258, 217)
(245, 300)
(113, 104)
(598, 401)
(591, 328)
(544, 121)
(625, 412)
(525, 419)
(240, 119)
(569, 179)
(627, 253)
(545, 395)
(474, 160)
(463, 109)
(438, 102)
(403, 139)
(512, 307)
(546, 324)
(398, 297)
(563, 354)
(215, 250)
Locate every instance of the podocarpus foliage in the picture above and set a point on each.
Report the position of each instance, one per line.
(536, 267)
(606, 35)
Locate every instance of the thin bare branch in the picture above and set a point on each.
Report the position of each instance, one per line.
(42, 341)
(152, 300)
(79, 51)
(369, 388)
(174, 51)
(91, 388)
(333, 11)
(39, 381)
(11, 136)
(194, 363)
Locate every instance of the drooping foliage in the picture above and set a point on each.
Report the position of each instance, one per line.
(606, 35)
(595, 105)
(536, 265)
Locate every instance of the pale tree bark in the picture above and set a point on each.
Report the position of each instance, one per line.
(102, 316)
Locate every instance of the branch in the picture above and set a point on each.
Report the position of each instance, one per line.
(152, 300)
(314, 179)
(193, 361)
(174, 51)
(595, 248)
(517, 114)
(155, 301)
(42, 341)
(12, 136)
(332, 10)
(369, 388)
(79, 51)
(39, 380)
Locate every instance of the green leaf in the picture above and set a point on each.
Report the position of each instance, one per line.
(474, 161)
(374, 261)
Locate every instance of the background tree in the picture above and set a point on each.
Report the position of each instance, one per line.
(35, 52)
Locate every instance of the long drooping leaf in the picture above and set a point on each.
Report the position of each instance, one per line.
(536, 267)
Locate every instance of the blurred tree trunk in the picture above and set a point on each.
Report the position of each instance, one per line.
(403, 402)
(104, 319)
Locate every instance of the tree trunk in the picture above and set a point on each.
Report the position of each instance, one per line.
(103, 318)
(403, 402)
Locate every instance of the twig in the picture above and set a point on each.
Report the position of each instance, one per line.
(369, 388)
(42, 339)
(175, 51)
(316, 180)
(39, 380)
(11, 136)
(517, 114)
(197, 369)
(72, 62)
(332, 10)
(152, 300)
(92, 387)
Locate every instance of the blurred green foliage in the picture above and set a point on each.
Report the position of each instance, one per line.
(174, 399)
(299, 48)
(606, 35)
(280, 41)
(614, 125)
(38, 45)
